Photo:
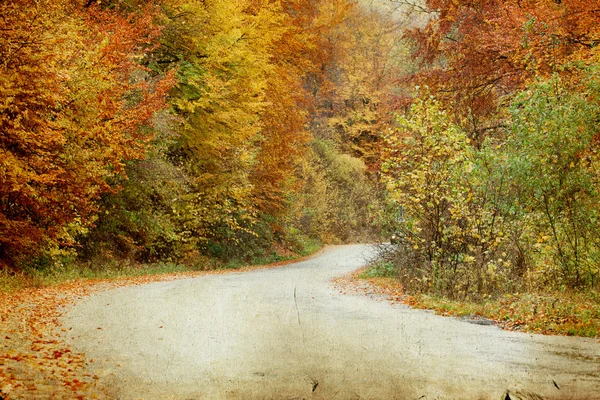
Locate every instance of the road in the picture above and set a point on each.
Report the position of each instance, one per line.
(287, 333)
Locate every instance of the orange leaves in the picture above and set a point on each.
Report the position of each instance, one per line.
(283, 133)
(492, 48)
(32, 357)
(58, 353)
(71, 114)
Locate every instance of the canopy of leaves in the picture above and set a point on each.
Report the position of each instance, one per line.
(252, 76)
(74, 105)
(475, 52)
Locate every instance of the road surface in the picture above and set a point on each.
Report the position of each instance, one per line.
(287, 333)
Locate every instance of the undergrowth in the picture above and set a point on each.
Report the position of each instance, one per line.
(379, 269)
(72, 270)
(556, 312)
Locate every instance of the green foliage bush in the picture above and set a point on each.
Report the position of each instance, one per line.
(518, 211)
(300, 242)
(552, 166)
(382, 268)
(143, 221)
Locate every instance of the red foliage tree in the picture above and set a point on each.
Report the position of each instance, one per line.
(474, 52)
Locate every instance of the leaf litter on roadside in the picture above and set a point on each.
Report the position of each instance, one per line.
(569, 314)
(35, 360)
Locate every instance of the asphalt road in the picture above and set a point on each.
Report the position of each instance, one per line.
(286, 333)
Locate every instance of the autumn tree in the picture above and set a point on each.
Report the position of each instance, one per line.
(454, 238)
(75, 104)
(240, 121)
(476, 52)
(353, 90)
(512, 204)
(224, 169)
(374, 58)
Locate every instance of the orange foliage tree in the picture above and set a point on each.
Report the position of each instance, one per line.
(297, 53)
(475, 52)
(74, 104)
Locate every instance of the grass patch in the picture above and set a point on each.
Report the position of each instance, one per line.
(10, 283)
(272, 258)
(379, 269)
(553, 313)
(275, 258)
(67, 270)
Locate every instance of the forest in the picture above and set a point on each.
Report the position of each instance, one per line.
(202, 133)
(187, 131)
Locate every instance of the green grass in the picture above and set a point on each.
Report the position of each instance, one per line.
(256, 261)
(66, 272)
(379, 269)
(272, 258)
(51, 274)
(10, 283)
(557, 313)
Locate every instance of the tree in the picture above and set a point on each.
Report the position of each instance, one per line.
(476, 52)
(552, 164)
(455, 239)
(73, 111)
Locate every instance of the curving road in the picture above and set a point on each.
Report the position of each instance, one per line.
(286, 333)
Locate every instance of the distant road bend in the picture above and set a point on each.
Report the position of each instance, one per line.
(286, 333)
